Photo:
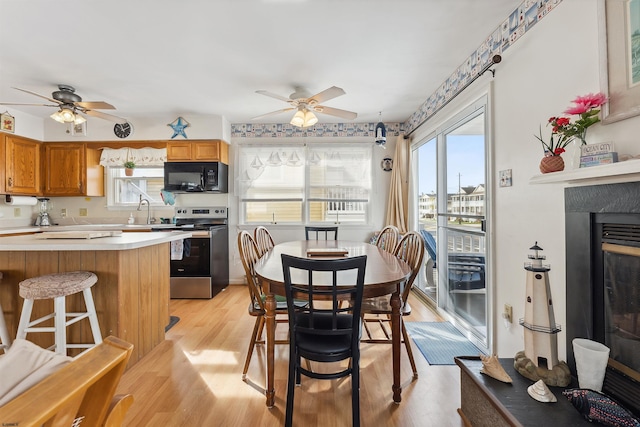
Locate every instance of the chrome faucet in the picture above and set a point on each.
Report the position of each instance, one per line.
(148, 208)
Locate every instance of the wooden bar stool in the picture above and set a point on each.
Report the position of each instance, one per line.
(5, 340)
(57, 286)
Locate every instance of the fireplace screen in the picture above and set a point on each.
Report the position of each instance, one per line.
(622, 303)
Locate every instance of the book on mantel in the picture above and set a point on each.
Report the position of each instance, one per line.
(597, 154)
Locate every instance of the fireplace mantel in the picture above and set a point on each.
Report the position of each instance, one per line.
(627, 171)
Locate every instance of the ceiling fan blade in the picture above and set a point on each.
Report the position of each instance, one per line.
(273, 95)
(335, 112)
(327, 94)
(31, 105)
(105, 116)
(41, 96)
(272, 113)
(96, 105)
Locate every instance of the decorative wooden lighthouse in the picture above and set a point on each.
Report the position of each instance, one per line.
(540, 357)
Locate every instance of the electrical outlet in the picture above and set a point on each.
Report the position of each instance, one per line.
(63, 213)
(84, 212)
(508, 313)
(16, 211)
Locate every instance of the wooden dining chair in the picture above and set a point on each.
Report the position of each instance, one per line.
(264, 240)
(388, 238)
(249, 255)
(315, 233)
(409, 249)
(322, 331)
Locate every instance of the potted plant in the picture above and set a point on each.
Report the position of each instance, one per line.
(128, 167)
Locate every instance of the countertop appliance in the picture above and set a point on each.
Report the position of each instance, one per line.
(195, 177)
(203, 268)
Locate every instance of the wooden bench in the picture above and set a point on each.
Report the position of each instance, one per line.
(84, 389)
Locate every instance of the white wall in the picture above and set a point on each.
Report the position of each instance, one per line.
(538, 77)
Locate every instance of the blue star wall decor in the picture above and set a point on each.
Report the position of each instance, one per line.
(178, 126)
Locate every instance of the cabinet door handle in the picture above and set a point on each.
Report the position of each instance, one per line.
(10, 182)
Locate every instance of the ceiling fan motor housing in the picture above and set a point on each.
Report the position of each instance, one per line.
(66, 94)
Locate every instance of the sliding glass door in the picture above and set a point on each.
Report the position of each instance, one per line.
(452, 216)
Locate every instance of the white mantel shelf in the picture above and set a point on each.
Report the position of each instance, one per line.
(627, 171)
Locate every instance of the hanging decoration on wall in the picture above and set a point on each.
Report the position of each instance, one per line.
(381, 133)
(7, 122)
(178, 126)
(387, 164)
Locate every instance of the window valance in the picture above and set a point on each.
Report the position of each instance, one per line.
(140, 156)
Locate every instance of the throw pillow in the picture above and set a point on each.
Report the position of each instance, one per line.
(596, 406)
(24, 365)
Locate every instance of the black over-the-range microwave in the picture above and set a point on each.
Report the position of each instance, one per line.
(195, 177)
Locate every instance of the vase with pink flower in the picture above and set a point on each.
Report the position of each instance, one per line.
(586, 109)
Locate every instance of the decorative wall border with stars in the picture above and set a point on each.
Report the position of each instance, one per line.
(521, 20)
(286, 130)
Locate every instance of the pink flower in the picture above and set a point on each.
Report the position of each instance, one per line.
(586, 103)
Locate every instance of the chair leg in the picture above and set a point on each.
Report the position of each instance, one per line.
(25, 318)
(93, 316)
(60, 322)
(355, 390)
(293, 358)
(4, 332)
(407, 344)
(252, 344)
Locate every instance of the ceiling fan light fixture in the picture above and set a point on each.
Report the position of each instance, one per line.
(64, 115)
(310, 119)
(78, 120)
(298, 119)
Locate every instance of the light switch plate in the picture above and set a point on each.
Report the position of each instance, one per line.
(84, 212)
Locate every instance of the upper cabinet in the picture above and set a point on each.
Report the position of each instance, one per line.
(198, 151)
(72, 169)
(22, 165)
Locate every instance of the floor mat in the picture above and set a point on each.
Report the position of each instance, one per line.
(172, 321)
(440, 342)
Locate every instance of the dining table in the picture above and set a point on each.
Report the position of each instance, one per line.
(385, 274)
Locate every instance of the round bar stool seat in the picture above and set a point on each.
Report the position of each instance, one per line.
(57, 286)
(5, 339)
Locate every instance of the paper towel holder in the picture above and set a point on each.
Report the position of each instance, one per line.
(8, 199)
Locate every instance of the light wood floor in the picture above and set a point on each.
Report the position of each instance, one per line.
(194, 378)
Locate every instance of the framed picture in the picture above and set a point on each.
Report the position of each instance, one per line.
(79, 129)
(619, 53)
(7, 122)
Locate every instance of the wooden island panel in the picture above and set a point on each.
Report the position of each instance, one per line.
(131, 295)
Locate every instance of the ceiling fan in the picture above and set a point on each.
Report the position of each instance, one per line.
(306, 106)
(70, 105)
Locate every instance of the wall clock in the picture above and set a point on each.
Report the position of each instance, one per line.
(123, 130)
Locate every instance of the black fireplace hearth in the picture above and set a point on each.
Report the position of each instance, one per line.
(594, 215)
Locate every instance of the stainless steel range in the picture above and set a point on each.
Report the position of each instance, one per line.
(203, 268)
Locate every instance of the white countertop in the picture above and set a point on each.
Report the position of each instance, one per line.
(72, 227)
(132, 240)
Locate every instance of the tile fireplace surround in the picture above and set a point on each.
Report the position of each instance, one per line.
(586, 210)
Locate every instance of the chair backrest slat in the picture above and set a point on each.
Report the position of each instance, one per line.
(249, 256)
(263, 239)
(316, 233)
(315, 281)
(388, 238)
(410, 249)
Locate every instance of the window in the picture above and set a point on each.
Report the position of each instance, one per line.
(313, 183)
(125, 190)
(147, 180)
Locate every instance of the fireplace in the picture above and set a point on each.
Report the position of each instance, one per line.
(602, 225)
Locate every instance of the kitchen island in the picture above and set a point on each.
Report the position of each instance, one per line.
(131, 295)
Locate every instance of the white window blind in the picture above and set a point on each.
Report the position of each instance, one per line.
(315, 183)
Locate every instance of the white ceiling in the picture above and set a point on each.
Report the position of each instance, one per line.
(208, 57)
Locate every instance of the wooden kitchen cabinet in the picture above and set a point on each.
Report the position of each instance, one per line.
(198, 151)
(22, 166)
(72, 169)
